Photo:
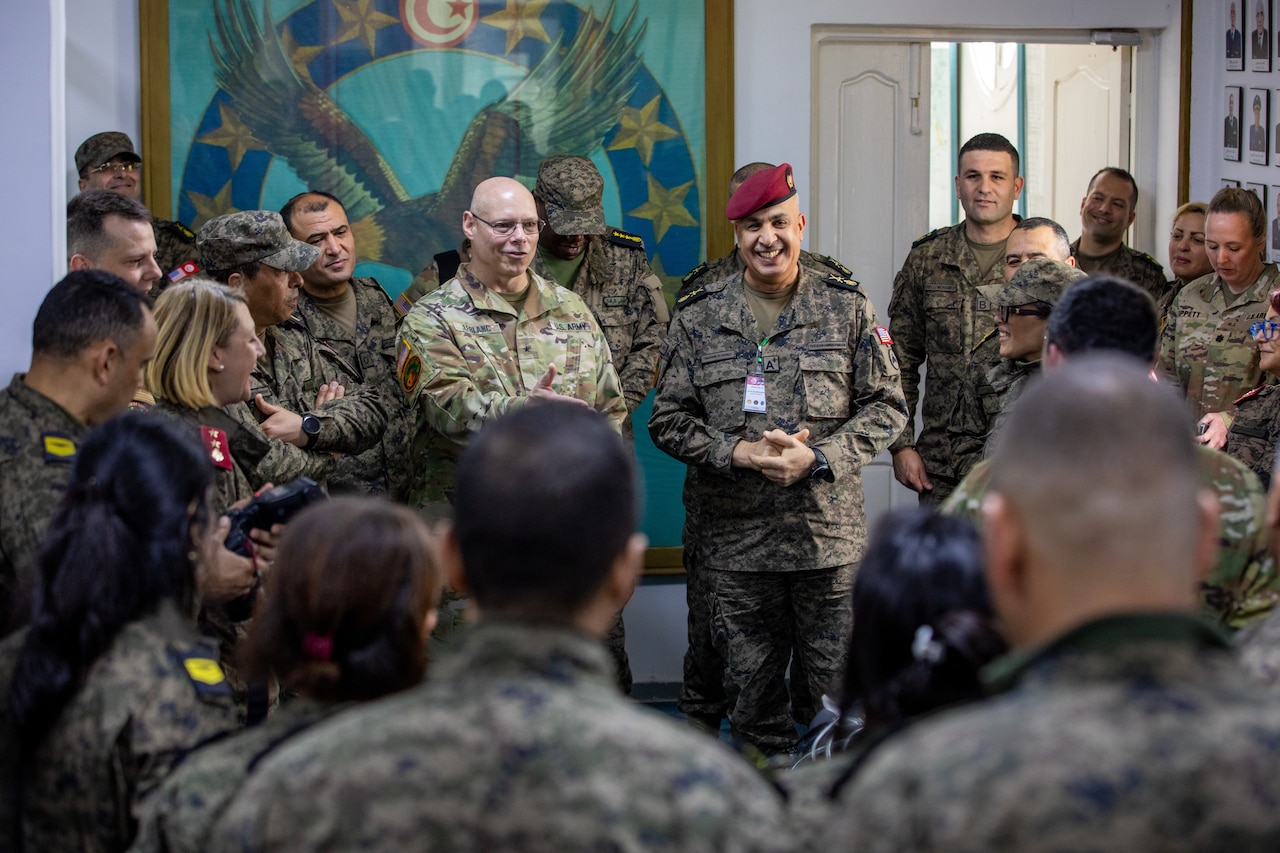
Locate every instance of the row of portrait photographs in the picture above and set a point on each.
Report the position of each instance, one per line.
(1255, 110)
(1255, 17)
(1260, 190)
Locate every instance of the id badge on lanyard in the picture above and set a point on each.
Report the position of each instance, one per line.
(753, 395)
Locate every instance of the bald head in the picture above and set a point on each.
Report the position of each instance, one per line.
(500, 260)
(1095, 498)
(496, 192)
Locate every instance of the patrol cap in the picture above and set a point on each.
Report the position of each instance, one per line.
(572, 191)
(103, 147)
(763, 189)
(236, 239)
(1037, 280)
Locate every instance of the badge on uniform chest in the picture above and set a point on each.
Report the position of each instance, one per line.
(753, 396)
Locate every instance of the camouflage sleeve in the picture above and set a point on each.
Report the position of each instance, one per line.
(352, 423)
(879, 412)
(1252, 436)
(969, 427)
(906, 326)
(609, 399)
(678, 425)
(437, 380)
(966, 499)
(283, 462)
(1167, 358)
(1242, 586)
(638, 369)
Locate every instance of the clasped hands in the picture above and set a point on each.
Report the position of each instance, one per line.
(784, 458)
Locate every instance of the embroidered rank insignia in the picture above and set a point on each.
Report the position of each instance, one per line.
(184, 230)
(402, 305)
(205, 673)
(183, 270)
(215, 441)
(58, 447)
(694, 273)
(1255, 392)
(883, 334)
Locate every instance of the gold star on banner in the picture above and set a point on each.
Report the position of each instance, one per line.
(300, 56)
(207, 207)
(233, 135)
(521, 19)
(360, 20)
(665, 207)
(640, 129)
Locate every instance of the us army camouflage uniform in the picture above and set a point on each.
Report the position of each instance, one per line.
(937, 317)
(1131, 265)
(1132, 732)
(1252, 437)
(38, 440)
(367, 361)
(443, 267)
(456, 370)
(1205, 346)
(175, 245)
(517, 741)
(985, 399)
(1243, 586)
(702, 688)
(826, 370)
(154, 694)
(627, 300)
(182, 813)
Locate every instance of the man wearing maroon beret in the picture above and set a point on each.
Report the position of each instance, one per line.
(776, 385)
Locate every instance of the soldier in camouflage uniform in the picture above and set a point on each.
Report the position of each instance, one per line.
(986, 396)
(111, 232)
(1106, 212)
(108, 161)
(519, 740)
(936, 315)
(442, 268)
(1205, 346)
(1120, 721)
(89, 321)
(776, 404)
(1106, 314)
(253, 251)
(354, 326)
(468, 354)
(1252, 436)
(609, 270)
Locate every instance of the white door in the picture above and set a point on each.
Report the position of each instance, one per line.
(869, 182)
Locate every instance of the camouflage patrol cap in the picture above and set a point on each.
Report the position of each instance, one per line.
(236, 239)
(572, 191)
(102, 147)
(1037, 280)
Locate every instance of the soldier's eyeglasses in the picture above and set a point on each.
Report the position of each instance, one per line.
(1265, 329)
(117, 168)
(504, 228)
(1004, 312)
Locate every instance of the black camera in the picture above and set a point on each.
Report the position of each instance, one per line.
(276, 506)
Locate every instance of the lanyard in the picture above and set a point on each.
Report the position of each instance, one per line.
(760, 355)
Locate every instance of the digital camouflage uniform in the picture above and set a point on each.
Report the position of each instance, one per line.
(175, 245)
(1205, 346)
(937, 317)
(1134, 732)
(828, 368)
(1131, 265)
(702, 696)
(38, 442)
(1258, 647)
(1252, 437)
(1243, 586)
(154, 694)
(518, 741)
(181, 814)
(456, 370)
(984, 401)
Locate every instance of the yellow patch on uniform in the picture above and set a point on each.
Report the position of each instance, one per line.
(59, 446)
(410, 373)
(204, 670)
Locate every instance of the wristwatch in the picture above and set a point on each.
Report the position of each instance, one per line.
(821, 469)
(311, 429)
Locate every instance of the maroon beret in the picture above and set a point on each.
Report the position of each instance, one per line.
(763, 189)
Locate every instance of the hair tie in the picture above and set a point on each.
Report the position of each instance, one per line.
(924, 647)
(318, 648)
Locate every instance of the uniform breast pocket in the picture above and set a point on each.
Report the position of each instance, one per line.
(827, 375)
(721, 380)
(944, 318)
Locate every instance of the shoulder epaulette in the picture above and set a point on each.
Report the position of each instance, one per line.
(58, 447)
(178, 227)
(926, 238)
(988, 336)
(828, 261)
(1152, 261)
(1250, 395)
(622, 238)
(204, 671)
(843, 283)
(295, 321)
(691, 297)
(693, 274)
